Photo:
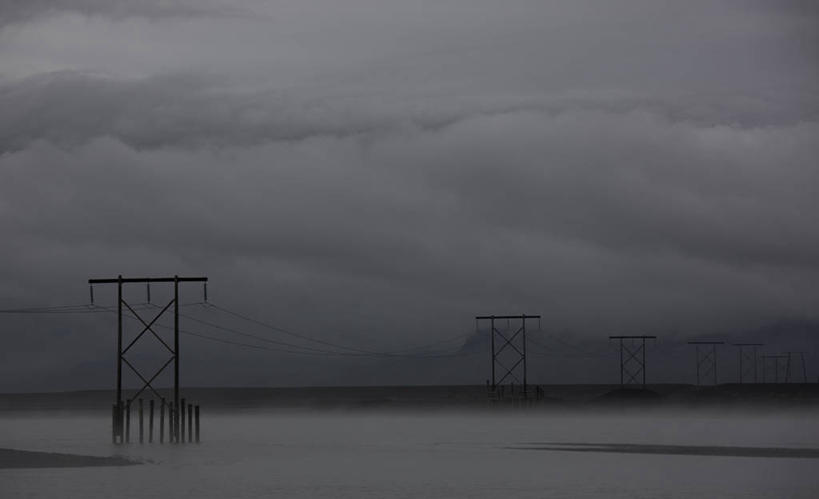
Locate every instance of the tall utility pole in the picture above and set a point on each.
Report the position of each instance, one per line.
(516, 350)
(118, 423)
(748, 359)
(632, 352)
(706, 358)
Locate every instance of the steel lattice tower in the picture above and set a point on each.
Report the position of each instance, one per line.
(515, 347)
(706, 359)
(632, 353)
(748, 361)
(173, 304)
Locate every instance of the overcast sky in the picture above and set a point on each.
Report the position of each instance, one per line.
(376, 173)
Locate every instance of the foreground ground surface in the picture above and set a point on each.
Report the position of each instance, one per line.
(339, 453)
(13, 458)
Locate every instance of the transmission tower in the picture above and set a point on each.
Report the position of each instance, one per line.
(632, 359)
(706, 358)
(511, 346)
(118, 415)
(748, 361)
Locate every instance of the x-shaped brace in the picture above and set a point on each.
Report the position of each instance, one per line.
(633, 356)
(147, 382)
(147, 327)
(508, 341)
(509, 371)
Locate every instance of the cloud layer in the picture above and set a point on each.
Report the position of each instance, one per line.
(379, 174)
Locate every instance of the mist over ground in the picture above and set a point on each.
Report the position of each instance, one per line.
(377, 173)
(405, 454)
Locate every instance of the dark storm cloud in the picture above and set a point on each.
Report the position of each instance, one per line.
(350, 201)
(382, 178)
(189, 110)
(22, 11)
(658, 178)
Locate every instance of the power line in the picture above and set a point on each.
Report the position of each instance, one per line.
(287, 332)
(221, 340)
(290, 348)
(280, 350)
(356, 350)
(576, 354)
(430, 345)
(250, 335)
(303, 350)
(580, 351)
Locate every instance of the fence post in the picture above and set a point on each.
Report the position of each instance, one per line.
(128, 422)
(151, 422)
(162, 422)
(181, 437)
(141, 424)
(120, 423)
(114, 424)
(171, 433)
